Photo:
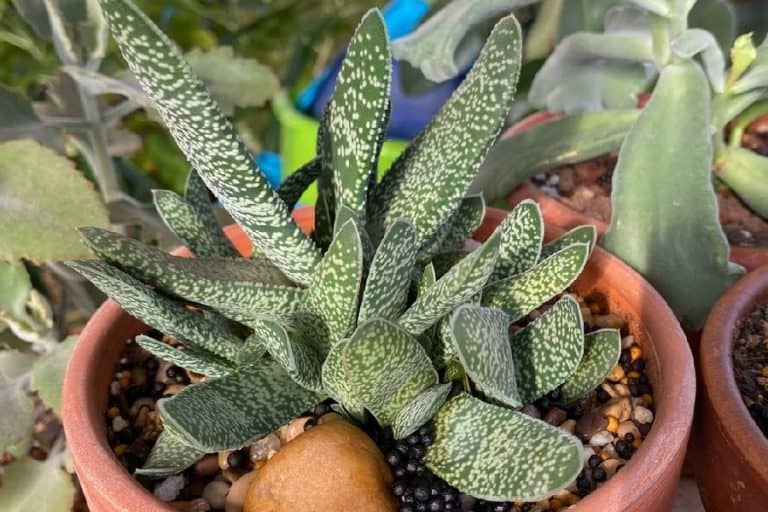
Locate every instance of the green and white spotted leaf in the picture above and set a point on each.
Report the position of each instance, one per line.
(252, 351)
(428, 278)
(519, 295)
(522, 233)
(389, 277)
(429, 180)
(157, 311)
(198, 361)
(209, 141)
(497, 454)
(345, 214)
(358, 112)
(169, 455)
(462, 282)
(465, 221)
(579, 235)
(602, 350)
(325, 206)
(420, 410)
(299, 360)
(386, 368)
(481, 339)
(548, 350)
(328, 308)
(296, 184)
(336, 383)
(230, 412)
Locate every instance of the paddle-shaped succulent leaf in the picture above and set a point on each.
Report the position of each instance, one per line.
(299, 360)
(548, 350)
(198, 361)
(251, 352)
(493, 453)
(420, 410)
(337, 384)
(578, 235)
(459, 226)
(481, 340)
(522, 232)
(209, 141)
(169, 455)
(296, 184)
(602, 350)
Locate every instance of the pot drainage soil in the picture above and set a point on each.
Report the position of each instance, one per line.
(611, 422)
(750, 363)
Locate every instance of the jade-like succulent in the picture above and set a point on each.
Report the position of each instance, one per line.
(383, 305)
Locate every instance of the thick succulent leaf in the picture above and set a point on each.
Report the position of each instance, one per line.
(209, 141)
(325, 206)
(602, 350)
(522, 233)
(169, 455)
(420, 410)
(497, 454)
(569, 140)
(429, 180)
(198, 361)
(29, 484)
(17, 303)
(358, 112)
(21, 122)
(579, 235)
(696, 41)
(677, 243)
(458, 285)
(454, 231)
(345, 214)
(157, 311)
(236, 410)
(744, 171)
(296, 184)
(519, 295)
(428, 278)
(386, 368)
(481, 340)
(389, 278)
(252, 351)
(299, 360)
(337, 384)
(548, 350)
(328, 308)
(17, 419)
(47, 377)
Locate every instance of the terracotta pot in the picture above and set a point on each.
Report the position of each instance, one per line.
(729, 448)
(646, 484)
(559, 214)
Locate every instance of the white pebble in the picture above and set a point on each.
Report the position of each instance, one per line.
(169, 489)
(642, 415)
(118, 423)
(601, 439)
(265, 448)
(114, 388)
(628, 341)
(215, 493)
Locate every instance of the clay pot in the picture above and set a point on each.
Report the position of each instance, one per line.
(728, 447)
(647, 483)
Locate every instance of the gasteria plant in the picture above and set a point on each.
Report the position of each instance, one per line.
(382, 306)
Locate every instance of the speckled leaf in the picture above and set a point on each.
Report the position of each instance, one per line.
(420, 410)
(329, 306)
(522, 232)
(519, 295)
(169, 455)
(198, 361)
(209, 141)
(252, 351)
(428, 278)
(548, 350)
(299, 360)
(463, 281)
(579, 235)
(386, 368)
(602, 350)
(429, 180)
(297, 183)
(358, 112)
(481, 340)
(345, 214)
(465, 221)
(497, 454)
(157, 311)
(325, 206)
(198, 196)
(236, 410)
(337, 384)
(389, 278)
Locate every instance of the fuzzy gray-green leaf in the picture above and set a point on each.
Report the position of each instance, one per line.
(481, 340)
(296, 184)
(519, 295)
(169, 455)
(386, 368)
(198, 361)
(209, 141)
(420, 410)
(299, 360)
(548, 350)
(602, 350)
(522, 232)
(579, 235)
(497, 454)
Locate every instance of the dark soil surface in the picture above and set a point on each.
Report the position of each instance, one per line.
(750, 363)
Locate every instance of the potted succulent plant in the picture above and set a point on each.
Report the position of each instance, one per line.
(372, 306)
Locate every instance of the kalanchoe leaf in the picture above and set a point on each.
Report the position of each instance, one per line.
(420, 410)
(386, 368)
(230, 412)
(299, 360)
(169, 455)
(548, 350)
(462, 282)
(454, 231)
(252, 351)
(198, 361)
(429, 180)
(358, 112)
(578, 235)
(481, 340)
(496, 454)
(209, 141)
(297, 183)
(602, 350)
(157, 311)
(389, 278)
(522, 232)
(329, 306)
(336, 383)
(519, 295)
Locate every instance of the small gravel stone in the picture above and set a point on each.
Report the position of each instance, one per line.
(207, 466)
(198, 505)
(235, 500)
(216, 493)
(568, 426)
(265, 448)
(591, 423)
(620, 408)
(601, 439)
(119, 423)
(642, 415)
(555, 416)
(628, 427)
(531, 411)
(168, 490)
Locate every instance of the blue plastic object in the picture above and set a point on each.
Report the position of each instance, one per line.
(270, 165)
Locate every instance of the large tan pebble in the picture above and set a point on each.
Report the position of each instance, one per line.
(334, 467)
(236, 496)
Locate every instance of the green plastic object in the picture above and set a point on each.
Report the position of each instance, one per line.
(298, 134)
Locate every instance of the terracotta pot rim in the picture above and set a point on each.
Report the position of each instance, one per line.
(717, 369)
